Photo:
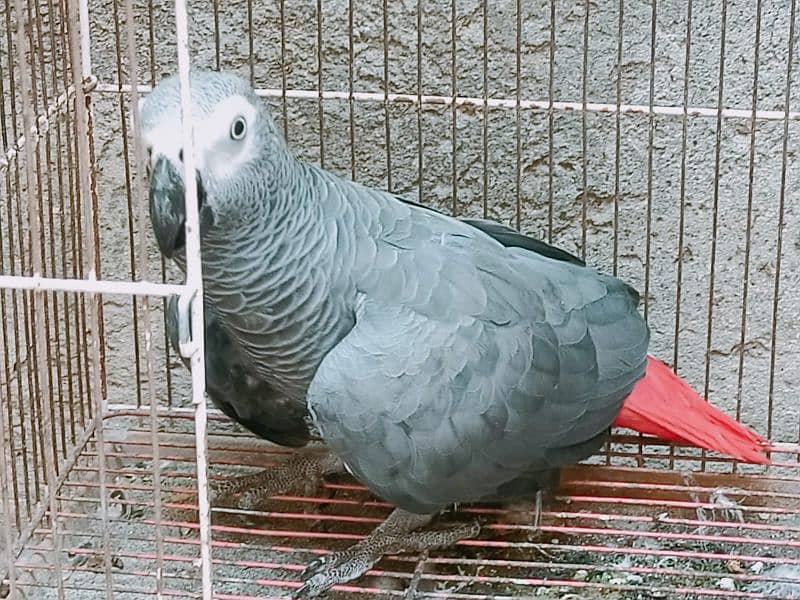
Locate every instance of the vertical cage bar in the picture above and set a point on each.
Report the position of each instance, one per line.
(90, 223)
(420, 149)
(217, 36)
(250, 44)
(39, 306)
(55, 181)
(284, 107)
(781, 220)
(72, 317)
(485, 121)
(618, 139)
(76, 235)
(551, 122)
(320, 106)
(151, 38)
(26, 369)
(194, 284)
(9, 573)
(57, 310)
(162, 260)
(7, 522)
(350, 101)
(518, 118)
(715, 201)
(123, 121)
(682, 185)
(13, 181)
(651, 127)
(749, 219)
(454, 108)
(93, 224)
(9, 415)
(386, 111)
(682, 201)
(34, 187)
(78, 39)
(86, 40)
(4, 329)
(95, 229)
(27, 334)
(584, 129)
(141, 219)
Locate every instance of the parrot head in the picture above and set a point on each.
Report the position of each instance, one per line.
(236, 145)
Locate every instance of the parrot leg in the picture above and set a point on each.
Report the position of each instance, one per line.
(400, 532)
(302, 472)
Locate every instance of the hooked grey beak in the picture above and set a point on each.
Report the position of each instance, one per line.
(167, 208)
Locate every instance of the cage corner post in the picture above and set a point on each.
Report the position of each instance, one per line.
(88, 82)
(191, 300)
(80, 53)
(86, 46)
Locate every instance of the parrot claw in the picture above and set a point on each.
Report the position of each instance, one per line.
(401, 532)
(315, 566)
(312, 588)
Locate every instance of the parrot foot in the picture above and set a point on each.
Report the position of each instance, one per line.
(398, 533)
(301, 472)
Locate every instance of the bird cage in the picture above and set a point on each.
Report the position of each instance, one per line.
(657, 140)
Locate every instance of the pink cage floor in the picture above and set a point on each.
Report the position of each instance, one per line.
(627, 527)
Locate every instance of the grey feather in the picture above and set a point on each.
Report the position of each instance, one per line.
(443, 360)
(235, 391)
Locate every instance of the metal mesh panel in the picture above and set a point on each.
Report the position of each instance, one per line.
(656, 139)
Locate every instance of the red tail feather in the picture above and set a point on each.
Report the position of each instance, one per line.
(664, 405)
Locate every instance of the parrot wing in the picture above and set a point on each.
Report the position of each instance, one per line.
(473, 366)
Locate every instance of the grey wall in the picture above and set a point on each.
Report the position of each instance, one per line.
(649, 178)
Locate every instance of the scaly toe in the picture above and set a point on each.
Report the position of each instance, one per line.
(217, 494)
(317, 565)
(333, 569)
(215, 497)
(313, 587)
(247, 501)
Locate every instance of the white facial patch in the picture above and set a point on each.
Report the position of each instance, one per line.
(221, 154)
(163, 141)
(216, 153)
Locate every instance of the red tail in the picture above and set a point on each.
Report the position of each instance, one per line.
(664, 405)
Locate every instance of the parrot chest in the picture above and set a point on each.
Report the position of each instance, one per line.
(285, 329)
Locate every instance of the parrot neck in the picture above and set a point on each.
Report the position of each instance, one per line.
(276, 278)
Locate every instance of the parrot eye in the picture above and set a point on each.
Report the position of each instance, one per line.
(238, 128)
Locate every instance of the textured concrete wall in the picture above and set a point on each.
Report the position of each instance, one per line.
(649, 177)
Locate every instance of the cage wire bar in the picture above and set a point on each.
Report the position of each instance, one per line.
(74, 28)
(106, 496)
(193, 300)
(478, 102)
(146, 313)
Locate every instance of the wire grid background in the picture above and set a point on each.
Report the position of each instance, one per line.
(595, 126)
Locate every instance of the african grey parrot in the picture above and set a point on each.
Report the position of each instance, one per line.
(440, 360)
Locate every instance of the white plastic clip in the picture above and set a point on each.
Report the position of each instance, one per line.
(186, 344)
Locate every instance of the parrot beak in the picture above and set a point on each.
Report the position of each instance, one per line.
(167, 207)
